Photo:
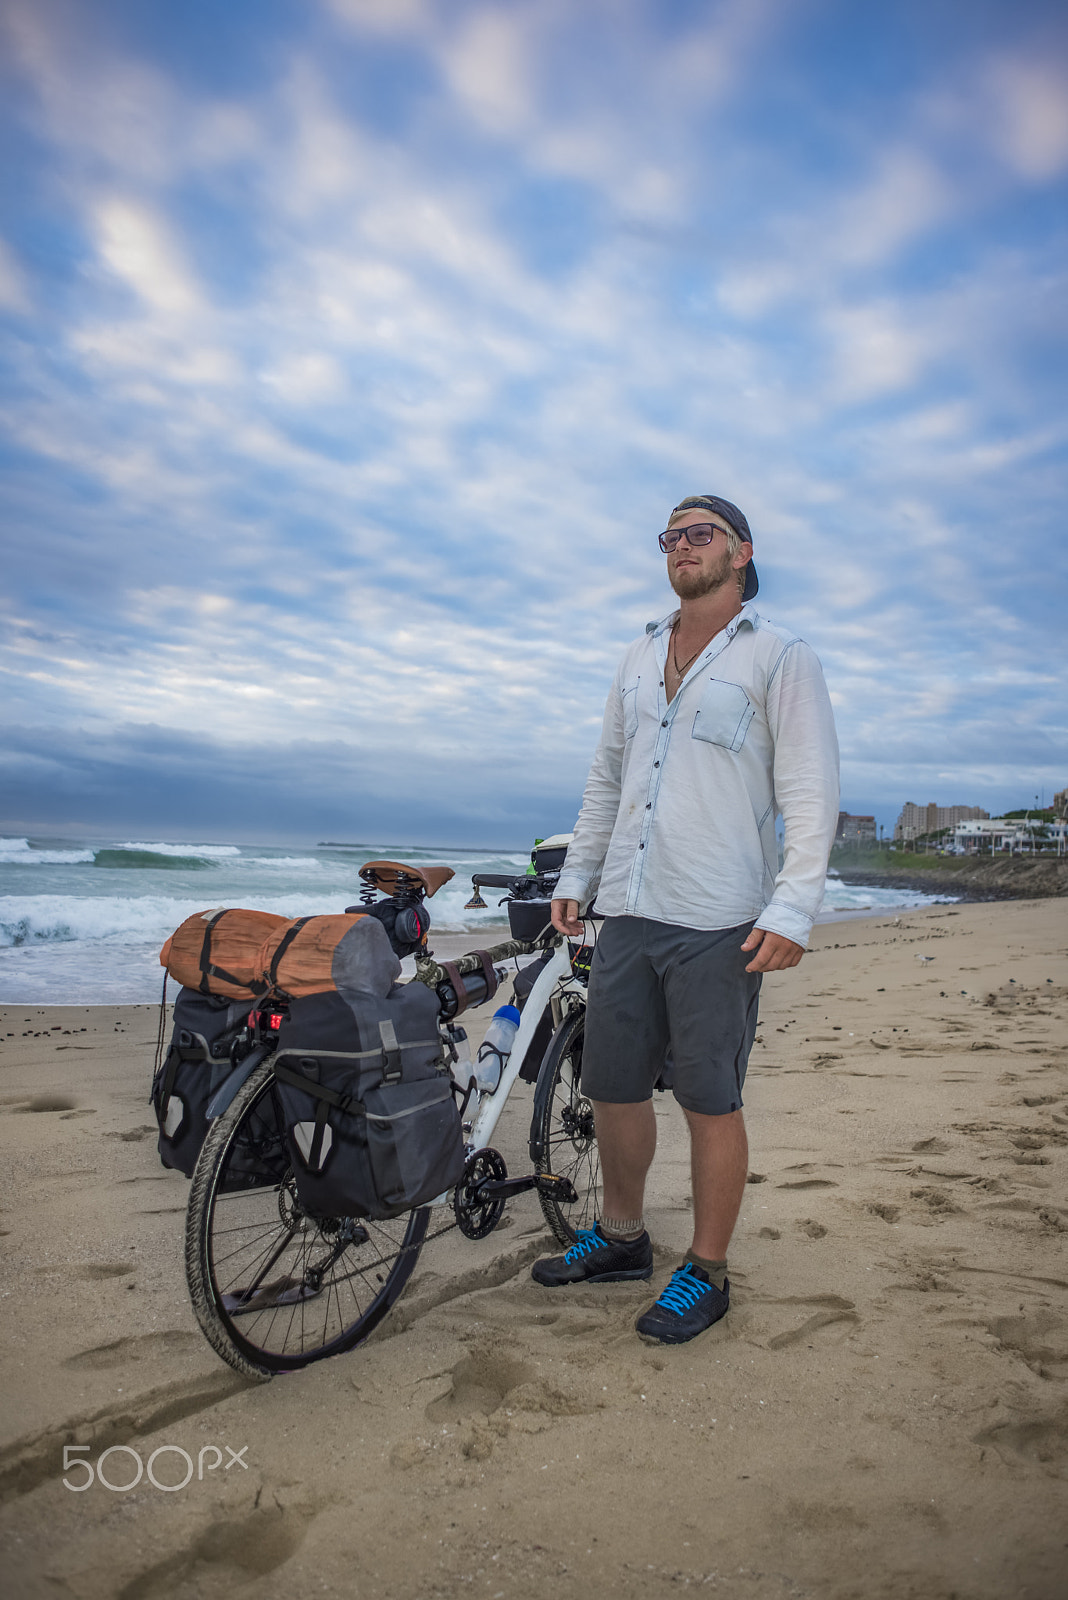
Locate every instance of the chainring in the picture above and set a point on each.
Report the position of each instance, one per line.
(476, 1218)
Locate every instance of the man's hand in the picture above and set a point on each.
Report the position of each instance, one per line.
(774, 950)
(565, 918)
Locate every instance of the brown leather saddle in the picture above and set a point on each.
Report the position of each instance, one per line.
(385, 876)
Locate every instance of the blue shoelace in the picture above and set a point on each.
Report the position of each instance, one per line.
(683, 1291)
(588, 1239)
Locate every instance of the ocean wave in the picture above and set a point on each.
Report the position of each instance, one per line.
(196, 850)
(20, 853)
(142, 860)
(129, 920)
(284, 861)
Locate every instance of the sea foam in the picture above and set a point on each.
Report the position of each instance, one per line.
(20, 853)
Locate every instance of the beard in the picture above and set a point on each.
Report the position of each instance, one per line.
(693, 582)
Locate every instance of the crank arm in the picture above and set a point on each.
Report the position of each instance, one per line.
(491, 1189)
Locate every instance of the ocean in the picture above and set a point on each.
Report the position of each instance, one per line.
(82, 922)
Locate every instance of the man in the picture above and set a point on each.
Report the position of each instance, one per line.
(717, 721)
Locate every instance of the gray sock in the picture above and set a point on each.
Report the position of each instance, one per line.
(714, 1271)
(626, 1230)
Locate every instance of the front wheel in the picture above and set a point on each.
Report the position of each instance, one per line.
(566, 1140)
(273, 1287)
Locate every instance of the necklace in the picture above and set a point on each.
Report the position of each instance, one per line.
(679, 671)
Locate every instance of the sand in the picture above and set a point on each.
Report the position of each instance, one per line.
(884, 1412)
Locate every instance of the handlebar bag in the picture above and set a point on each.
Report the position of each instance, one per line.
(371, 1123)
(312, 955)
(219, 952)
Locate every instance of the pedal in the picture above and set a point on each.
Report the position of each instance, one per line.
(561, 1189)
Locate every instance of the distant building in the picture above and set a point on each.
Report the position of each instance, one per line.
(854, 830)
(1014, 834)
(1060, 804)
(915, 821)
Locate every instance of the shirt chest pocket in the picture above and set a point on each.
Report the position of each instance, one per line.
(630, 709)
(724, 715)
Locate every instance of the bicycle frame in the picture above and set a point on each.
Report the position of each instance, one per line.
(556, 976)
(552, 985)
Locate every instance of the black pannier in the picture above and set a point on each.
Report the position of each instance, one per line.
(523, 982)
(371, 1122)
(198, 1061)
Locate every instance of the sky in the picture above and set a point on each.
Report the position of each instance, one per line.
(354, 353)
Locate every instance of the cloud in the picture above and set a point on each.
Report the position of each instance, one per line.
(488, 64)
(1029, 125)
(14, 293)
(137, 247)
(358, 427)
(384, 16)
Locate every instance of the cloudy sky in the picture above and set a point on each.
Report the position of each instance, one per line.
(355, 351)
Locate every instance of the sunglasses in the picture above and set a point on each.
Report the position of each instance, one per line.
(700, 533)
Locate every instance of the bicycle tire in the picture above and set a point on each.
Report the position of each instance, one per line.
(567, 1138)
(332, 1280)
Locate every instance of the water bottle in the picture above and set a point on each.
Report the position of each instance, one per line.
(495, 1048)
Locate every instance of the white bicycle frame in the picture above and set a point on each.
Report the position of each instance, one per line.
(555, 981)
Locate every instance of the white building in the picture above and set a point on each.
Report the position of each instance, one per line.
(1012, 834)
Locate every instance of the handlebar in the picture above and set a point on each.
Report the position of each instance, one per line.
(428, 971)
(496, 880)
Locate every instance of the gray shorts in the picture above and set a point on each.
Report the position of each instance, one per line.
(655, 986)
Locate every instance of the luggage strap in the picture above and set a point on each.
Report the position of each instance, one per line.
(331, 1097)
(390, 1053)
(163, 1082)
(208, 969)
(283, 945)
(489, 972)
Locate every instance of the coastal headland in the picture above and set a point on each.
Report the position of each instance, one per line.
(883, 1413)
(1001, 877)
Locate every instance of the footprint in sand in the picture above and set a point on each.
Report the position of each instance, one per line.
(889, 1213)
(104, 1357)
(230, 1552)
(834, 1311)
(45, 1102)
(1040, 1338)
(1041, 1438)
(935, 1202)
(478, 1384)
(104, 1269)
(812, 1229)
(491, 1394)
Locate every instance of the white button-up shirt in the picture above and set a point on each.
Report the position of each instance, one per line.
(678, 817)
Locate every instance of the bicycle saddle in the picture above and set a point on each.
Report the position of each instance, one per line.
(384, 875)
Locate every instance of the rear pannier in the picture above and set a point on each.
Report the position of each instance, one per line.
(197, 1063)
(220, 952)
(371, 1122)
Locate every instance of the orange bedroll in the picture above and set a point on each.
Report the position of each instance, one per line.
(218, 952)
(311, 955)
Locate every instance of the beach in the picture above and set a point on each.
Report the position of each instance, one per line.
(883, 1413)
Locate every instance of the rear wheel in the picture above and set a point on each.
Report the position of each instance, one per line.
(273, 1287)
(568, 1141)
